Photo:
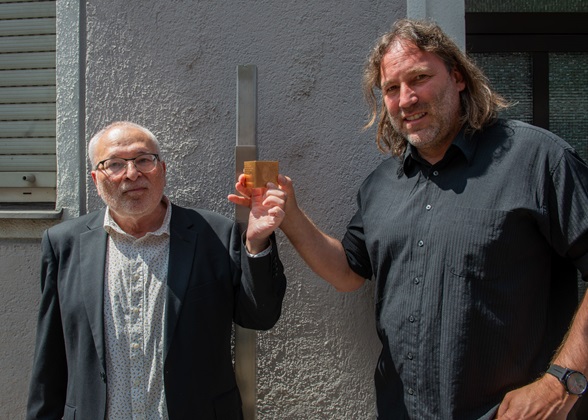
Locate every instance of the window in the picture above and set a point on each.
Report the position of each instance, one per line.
(535, 53)
(539, 61)
(27, 104)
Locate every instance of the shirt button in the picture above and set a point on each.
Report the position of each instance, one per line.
(421, 243)
(435, 173)
(410, 391)
(135, 345)
(416, 280)
(409, 356)
(411, 318)
(428, 207)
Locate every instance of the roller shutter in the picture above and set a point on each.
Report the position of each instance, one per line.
(27, 102)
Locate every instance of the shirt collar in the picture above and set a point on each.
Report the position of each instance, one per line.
(467, 144)
(462, 142)
(111, 226)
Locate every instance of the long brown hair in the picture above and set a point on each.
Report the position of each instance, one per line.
(479, 103)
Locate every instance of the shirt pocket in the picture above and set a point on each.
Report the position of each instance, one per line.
(476, 243)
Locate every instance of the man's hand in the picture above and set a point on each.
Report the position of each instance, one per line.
(543, 399)
(266, 213)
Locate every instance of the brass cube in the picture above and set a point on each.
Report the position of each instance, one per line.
(259, 172)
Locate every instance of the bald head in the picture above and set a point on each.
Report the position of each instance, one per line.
(118, 131)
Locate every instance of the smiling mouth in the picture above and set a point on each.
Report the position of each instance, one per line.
(415, 116)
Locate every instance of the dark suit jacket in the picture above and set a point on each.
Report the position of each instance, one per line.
(211, 284)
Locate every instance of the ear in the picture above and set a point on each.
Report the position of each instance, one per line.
(459, 80)
(164, 172)
(93, 173)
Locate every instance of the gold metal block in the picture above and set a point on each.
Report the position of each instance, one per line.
(259, 172)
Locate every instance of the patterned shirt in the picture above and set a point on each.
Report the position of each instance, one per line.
(134, 303)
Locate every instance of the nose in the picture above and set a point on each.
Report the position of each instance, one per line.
(407, 97)
(132, 173)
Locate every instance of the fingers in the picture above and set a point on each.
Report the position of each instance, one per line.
(276, 212)
(242, 179)
(241, 187)
(239, 200)
(272, 195)
(285, 183)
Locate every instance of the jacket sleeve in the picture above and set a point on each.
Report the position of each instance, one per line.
(48, 384)
(262, 285)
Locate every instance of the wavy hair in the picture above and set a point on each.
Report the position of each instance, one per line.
(479, 103)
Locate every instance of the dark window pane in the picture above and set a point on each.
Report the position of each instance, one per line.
(510, 75)
(525, 6)
(568, 99)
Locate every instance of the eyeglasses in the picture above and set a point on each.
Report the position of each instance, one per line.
(115, 166)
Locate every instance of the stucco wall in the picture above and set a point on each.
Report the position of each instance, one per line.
(172, 67)
(19, 285)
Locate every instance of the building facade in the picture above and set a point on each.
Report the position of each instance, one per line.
(68, 68)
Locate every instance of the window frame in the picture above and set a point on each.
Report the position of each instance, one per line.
(536, 33)
(70, 130)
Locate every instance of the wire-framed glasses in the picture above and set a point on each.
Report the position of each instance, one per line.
(116, 166)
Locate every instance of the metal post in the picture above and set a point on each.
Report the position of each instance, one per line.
(246, 149)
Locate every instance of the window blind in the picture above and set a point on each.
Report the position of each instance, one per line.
(27, 102)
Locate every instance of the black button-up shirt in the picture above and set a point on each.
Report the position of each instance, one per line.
(475, 262)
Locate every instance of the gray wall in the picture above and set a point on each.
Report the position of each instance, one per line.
(172, 67)
(19, 286)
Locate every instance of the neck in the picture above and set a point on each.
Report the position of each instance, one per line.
(435, 151)
(139, 226)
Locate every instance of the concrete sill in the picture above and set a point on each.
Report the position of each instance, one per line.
(31, 214)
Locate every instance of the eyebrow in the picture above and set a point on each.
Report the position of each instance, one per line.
(138, 153)
(412, 72)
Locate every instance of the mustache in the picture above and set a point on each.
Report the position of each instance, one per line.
(132, 186)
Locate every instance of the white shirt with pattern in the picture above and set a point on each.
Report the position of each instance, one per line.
(134, 312)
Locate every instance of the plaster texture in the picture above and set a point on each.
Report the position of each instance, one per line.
(18, 314)
(171, 66)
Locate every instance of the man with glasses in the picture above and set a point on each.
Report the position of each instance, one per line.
(138, 299)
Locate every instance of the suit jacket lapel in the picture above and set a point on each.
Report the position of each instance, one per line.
(182, 249)
(92, 265)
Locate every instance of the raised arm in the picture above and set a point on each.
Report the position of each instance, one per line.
(323, 254)
(266, 207)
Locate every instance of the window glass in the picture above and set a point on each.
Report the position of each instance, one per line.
(568, 99)
(525, 6)
(510, 75)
